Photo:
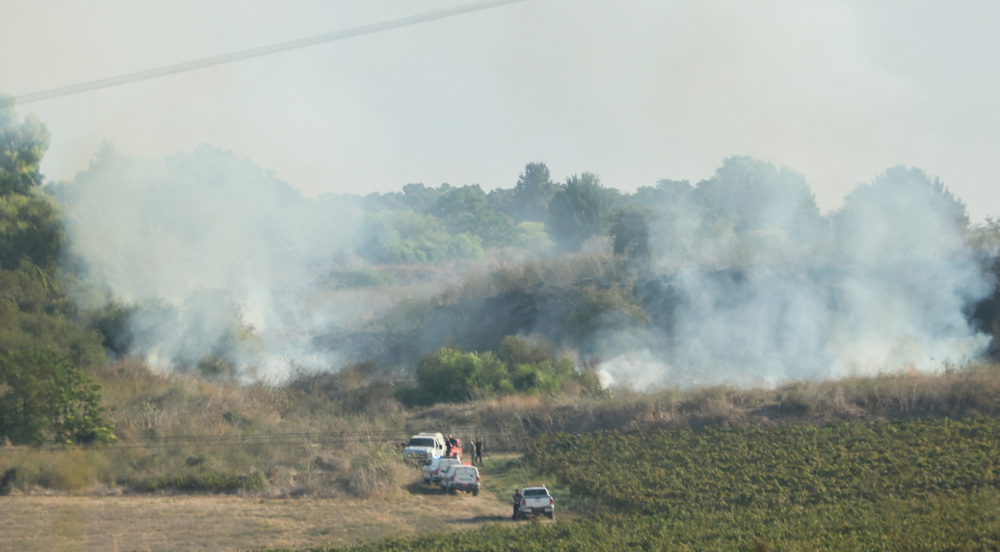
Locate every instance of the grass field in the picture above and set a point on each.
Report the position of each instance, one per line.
(224, 523)
(906, 485)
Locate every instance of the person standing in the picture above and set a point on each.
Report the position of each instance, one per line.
(477, 451)
(517, 503)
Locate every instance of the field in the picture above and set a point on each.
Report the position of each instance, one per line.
(219, 523)
(911, 485)
(919, 484)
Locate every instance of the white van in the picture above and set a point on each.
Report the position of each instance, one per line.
(461, 477)
(432, 470)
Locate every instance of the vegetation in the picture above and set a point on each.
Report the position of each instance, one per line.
(449, 375)
(967, 522)
(44, 395)
(509, 354)
(47, 399)
(918, 484)
(784, 467)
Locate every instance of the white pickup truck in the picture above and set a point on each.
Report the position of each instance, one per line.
(536, 500)
(423, 447)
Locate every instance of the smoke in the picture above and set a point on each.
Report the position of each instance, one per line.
(226, 267)
(219, 257)
(883, 284)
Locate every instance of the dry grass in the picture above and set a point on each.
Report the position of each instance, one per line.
(956, 393)
(118, 523)
(149, 408)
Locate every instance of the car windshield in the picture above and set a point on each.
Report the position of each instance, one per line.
(420, 442)
(536, 492)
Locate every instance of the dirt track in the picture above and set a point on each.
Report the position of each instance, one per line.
(124, 523)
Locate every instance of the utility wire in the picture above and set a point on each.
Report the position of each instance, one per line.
(254, 52)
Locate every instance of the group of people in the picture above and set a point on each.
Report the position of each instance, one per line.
(453, 448)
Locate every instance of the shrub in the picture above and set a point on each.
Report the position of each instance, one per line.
(48, 399)
(449, 375)
(611, 308)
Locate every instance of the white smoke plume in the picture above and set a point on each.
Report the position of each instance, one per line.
(751, 285)
(883, 284)
(217, 253)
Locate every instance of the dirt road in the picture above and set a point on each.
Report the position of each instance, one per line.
(124, 523)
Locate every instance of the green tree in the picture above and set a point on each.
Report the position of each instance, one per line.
(756, 195)
(467, 210)
(420, 198)
(578, 211)
(21, 148)
(517, 350)
(405, 237)
(630, 237)
(30, 230)
(532, 193)
(44, 398)
(449, 375)
(901, 204)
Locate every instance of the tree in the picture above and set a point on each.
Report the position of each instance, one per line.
(449, 375)
(466, 209)
(21, 149)
(532, 193)
(630, 236)
(903, 213)
(43, 397)
(755, 195)
(30, 230)
(578, 211)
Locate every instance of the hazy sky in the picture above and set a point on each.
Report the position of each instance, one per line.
(633, 90)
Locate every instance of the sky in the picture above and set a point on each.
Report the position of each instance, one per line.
(632, 90)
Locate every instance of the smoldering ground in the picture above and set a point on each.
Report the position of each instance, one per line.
(746, 282)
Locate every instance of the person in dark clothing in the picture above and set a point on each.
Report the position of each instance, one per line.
(477, 455)
(517, 503)
(7, 481)
(448, 445)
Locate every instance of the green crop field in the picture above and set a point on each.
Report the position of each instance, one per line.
(913, 485)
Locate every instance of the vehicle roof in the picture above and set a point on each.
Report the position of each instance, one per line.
(534, 487)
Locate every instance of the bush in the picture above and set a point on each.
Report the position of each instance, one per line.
(612, 308)
(48, 399)
(449, 375)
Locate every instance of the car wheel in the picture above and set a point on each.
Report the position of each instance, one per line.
(550, 515)
(475, 492)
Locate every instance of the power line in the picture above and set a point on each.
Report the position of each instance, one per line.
(254, 52)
